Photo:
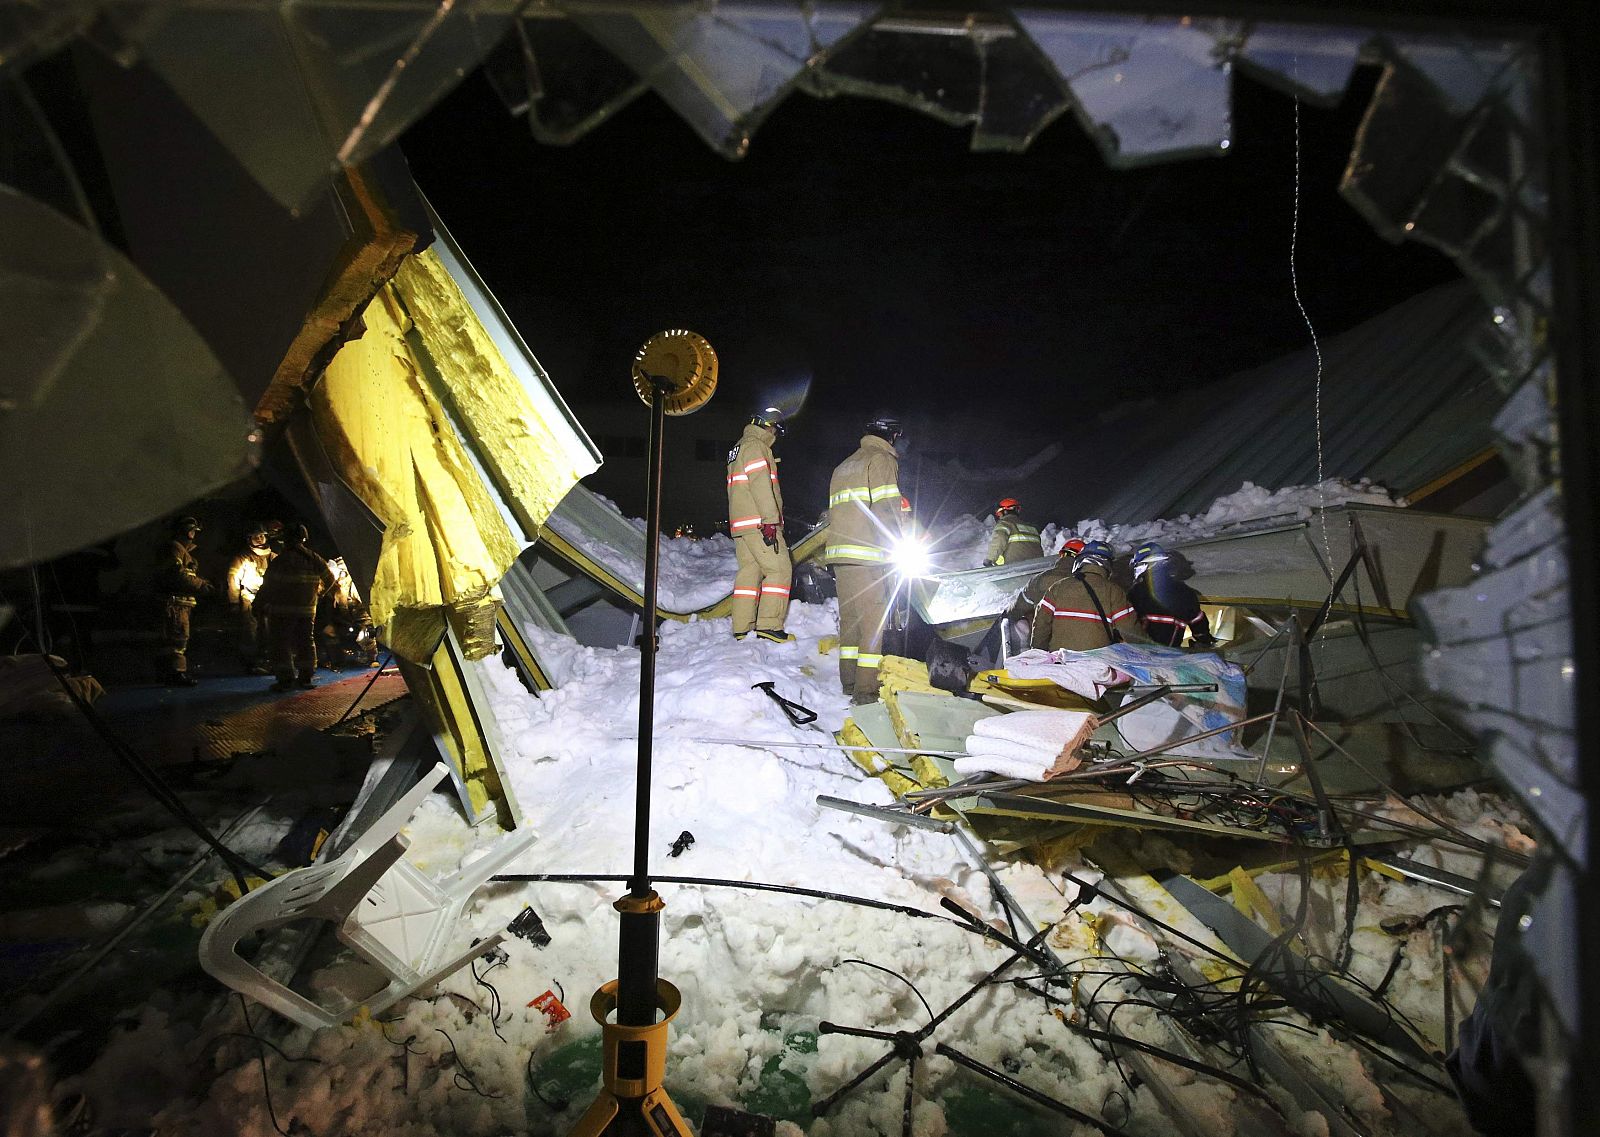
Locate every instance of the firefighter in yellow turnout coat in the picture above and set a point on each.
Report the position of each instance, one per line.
(1014, 539)
(866, 513)
(755, 518)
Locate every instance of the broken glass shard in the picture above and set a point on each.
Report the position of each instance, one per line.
(722, 67)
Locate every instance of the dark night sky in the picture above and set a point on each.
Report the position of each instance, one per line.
(863, 244)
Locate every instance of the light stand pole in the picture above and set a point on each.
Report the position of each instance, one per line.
(675, 373)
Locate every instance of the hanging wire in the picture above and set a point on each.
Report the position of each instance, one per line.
(1316, 344)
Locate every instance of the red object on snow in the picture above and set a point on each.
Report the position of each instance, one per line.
(552, 1008)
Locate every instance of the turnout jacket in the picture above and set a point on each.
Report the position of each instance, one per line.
(1013, 540)
(296, 579)
(180, 574)
(1066, 616)
(238, 593)
(754, 499)
(1033, 592)
(1166, 607)
(866, 510)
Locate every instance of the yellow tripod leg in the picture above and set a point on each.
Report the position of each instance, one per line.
(597, 1117)
(663, 1117)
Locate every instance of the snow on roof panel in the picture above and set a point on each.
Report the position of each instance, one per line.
(1393, 406)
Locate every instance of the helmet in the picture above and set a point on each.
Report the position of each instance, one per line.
(886, 425)
(1148, 555)
(1007, 505)
(770, 417)
(1093, 552)
(183, 524)
(1072, 546)
(299, 535)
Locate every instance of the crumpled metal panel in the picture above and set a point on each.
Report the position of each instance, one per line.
(531, 449)
(723, 66)
(445, 543)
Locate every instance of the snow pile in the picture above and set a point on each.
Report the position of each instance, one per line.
(758, 970)
(962, 543)
(695, 572)
(1248, 503)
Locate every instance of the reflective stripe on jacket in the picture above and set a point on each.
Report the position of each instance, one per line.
(754, 499)
(1068, 618)
(1014, 540)
(865, 507)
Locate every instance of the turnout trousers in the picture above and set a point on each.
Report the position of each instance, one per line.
(175, 633)
(761, 586)
(864, 595)
(294, 644)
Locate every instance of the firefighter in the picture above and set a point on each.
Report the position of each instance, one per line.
(1166, 607)
(866, 515)
(178, 577)
(755, 517)
(1020, 615)
(245, 575)
(1085, 608)
(1014, 539)
(295, 580)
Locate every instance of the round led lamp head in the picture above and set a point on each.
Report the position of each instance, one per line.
(679, 363)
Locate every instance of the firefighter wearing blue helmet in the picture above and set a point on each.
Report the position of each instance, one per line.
(1084, 609)
(1167, 607)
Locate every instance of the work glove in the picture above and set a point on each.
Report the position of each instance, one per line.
(769, 534)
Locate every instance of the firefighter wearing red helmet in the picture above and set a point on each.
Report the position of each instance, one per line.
(1013, 539)
(755, 518)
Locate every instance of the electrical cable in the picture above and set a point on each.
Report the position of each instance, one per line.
(897, 975)
(462, 1077)
(755, 886)
(387, 656)
(261, 1056)
(494, 995)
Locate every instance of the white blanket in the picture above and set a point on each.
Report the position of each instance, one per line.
(1046, 729)
(1005, 748)
(1029, 769)
(1077, 672)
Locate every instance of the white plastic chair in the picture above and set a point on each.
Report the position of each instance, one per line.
(388, 912)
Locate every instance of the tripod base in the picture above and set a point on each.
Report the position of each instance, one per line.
(632, 1100)
(651, 1116)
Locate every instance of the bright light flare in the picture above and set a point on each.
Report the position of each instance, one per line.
(910, 556)
(250, 580)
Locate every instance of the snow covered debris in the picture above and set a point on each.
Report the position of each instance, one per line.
(758, 970)
(961, 545)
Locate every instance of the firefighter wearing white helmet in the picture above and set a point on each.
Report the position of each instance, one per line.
(866, 516)
(755, 518)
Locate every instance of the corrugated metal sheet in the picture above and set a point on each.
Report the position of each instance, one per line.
(1404, 400)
